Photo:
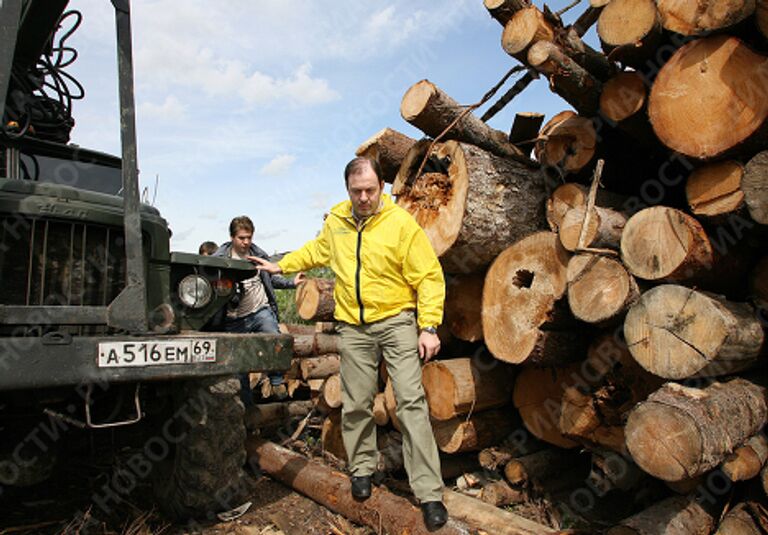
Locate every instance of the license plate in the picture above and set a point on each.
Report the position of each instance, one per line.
(157, 352)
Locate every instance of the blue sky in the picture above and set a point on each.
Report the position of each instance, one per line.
(254, 107)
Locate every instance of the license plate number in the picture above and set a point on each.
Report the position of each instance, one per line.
(157, 352)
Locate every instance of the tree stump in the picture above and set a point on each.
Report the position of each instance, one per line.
(520, 304)
(681, 432)
(721, 75)
(460, 386)
(475, 206)
(676, 332)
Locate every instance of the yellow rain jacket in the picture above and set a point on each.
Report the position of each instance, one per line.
(382, 269)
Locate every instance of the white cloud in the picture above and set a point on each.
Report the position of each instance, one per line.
(278, 165)
(169, 109)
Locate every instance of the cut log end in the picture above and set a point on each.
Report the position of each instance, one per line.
(416, 99)
(623, 96)
(688, 18)
(715, 189)
(626, 22)
(599, 288)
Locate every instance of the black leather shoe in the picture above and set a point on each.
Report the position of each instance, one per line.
(361, 487)
(435, 514)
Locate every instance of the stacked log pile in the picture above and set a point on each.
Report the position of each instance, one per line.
(609, 294)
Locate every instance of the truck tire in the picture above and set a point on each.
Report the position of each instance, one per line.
(203, 473)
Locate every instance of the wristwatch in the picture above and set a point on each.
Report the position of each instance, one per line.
(430, 330)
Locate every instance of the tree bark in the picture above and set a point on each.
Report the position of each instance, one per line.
(463, 306)
(702, 16)
(308, 345)
(594, 413)
(388, 147)
(566, 144)
(538, 395)
(320, 367)
(661, 243)
(754, 184)
(431, 110)
(747, 460)
(721, 75)
(630, 31)
(475, 207)
(314, 300)
(714, 190)
(600, 289)
(473, 433)
(459, 386)
(332, 489)
(520, 296)
(676, 332)
(566, 77)
(681, 432)
(677, 515)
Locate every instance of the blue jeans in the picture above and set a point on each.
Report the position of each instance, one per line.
(261, 321)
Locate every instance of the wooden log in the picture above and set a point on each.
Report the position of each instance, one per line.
(714, 190)
(761, 17)
(678, 515)
(521, 290)
(491, 519)
(499, 493)
(463, 306)
(611, 472)
(474, 207)
(571, 195)
(460, 386)
(679, 432)
(383, 510)
(525, 130)
(566, 77)
(314, 300)
(380, 414)
(473, 433)
(538, 395)
(593, 61)
(308, 345)
(702, 16)
(304, 344)
(594, 414)
(600, 289)
(530, 470)
(661, 243)
(270, 414)
(320, 367)
(503, 10)
(526, 27)
(390, 403)
(677, 332)
(431, 110)
(388, 147)
(566, 144)
(723, 76)
(496, 457)
(330, 392)
(325, 327)
(764, 479)
(746, 518)
(331, 438)
(623, 96)
(754, 184)
(601, 230)
(630, 31)
(453, 465)
(758, 284)
(747, 460)
(295, 328)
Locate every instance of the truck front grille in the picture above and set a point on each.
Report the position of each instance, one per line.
(48, 262)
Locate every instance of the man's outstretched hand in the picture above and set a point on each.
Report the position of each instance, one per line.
(265, 265)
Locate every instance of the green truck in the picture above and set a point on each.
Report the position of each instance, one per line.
(101, 325)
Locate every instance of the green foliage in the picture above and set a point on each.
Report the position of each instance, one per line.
(286, 299)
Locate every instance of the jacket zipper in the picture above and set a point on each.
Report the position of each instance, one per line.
(357, 274)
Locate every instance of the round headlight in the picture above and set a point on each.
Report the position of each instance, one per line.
(195, 291)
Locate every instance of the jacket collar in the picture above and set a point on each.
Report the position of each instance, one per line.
(343, 210)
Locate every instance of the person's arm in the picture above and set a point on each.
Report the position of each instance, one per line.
(424, 274)
(312, 254)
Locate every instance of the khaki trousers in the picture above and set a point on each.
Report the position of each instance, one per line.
(396, 339)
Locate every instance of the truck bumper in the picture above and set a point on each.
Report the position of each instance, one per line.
(28, 362)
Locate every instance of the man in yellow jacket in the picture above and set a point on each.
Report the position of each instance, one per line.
(389, 297)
